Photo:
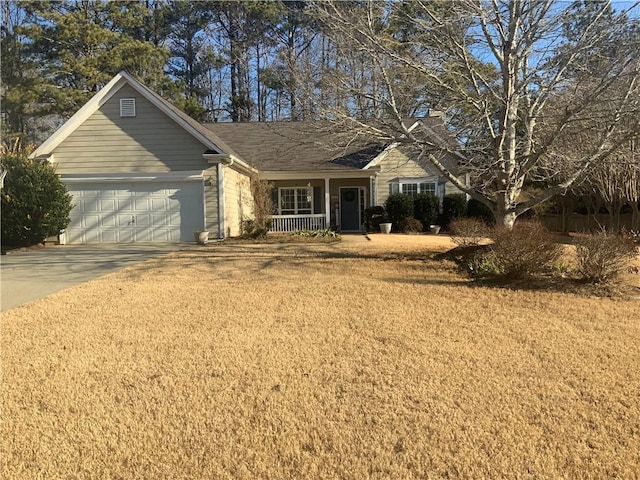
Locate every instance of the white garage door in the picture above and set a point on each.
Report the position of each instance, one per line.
(135, 211)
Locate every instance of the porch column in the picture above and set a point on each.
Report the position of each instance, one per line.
(327, 204)
(371, 191)
(376, 186)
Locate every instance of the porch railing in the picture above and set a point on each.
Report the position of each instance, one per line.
(290, 223)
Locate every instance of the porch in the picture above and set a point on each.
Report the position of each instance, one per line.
(310, 203)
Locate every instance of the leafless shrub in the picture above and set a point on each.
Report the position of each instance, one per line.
(410, 225)
(603, 256)
(527, 249)
(468, 232)
(262, 209)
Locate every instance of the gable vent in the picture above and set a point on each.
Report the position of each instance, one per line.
(127, 107)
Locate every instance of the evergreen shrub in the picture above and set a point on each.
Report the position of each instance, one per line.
(399, 207)
(426, 207)
(35, 202)
(454, 205)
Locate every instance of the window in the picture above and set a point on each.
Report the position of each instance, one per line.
(414, 186)
(295, 201)
(410, 189)
(127, 107)
(428, 187)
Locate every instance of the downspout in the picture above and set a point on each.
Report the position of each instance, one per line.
(371, 191)
(376, 187)
(327, 204)
(220, 200)
(204, 209)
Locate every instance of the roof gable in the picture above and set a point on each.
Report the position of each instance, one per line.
(204, 136)
(434, 129)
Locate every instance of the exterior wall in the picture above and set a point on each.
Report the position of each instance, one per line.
(211, 204)
(238, 201)
(450, 189)
(397, 164)
(148, 142)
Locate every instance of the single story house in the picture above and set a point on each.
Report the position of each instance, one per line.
(141, 170)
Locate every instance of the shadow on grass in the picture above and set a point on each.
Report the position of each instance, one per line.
(222, 259)
(462, 282)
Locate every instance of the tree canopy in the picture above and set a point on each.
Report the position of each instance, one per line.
(532, 91)
(520, 82)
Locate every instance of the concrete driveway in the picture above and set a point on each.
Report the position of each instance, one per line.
(29, 275)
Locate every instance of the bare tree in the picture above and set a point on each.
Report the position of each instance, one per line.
(632, 185)
(513, 78)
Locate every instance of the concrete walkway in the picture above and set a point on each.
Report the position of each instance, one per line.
(32, 274)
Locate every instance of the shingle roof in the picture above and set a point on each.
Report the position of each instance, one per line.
(294, 146)
(306, 146)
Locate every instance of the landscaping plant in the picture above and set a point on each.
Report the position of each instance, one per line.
(603, 256)
(259, 226)
(399, 207)
(374, 216)
(410, 225)
(454, 205)
(35, 202)
(426, 207)
(324, 233)
(477, 209)
(468, 232)
(527, 249)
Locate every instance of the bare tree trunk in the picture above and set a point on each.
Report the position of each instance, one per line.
(524, 119)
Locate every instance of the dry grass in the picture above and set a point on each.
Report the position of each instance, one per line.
(328, 361)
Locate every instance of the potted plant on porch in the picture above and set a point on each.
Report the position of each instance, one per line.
(385, 224)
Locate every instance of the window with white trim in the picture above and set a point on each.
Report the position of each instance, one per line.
(295, 200)
(414, 186)
(127, 107)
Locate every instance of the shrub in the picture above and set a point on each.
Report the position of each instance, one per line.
(399, 207)
(251, 229)
(527, 249)
(482, 264)
(477, 209)
(602, 257)
(374, 217)
(410, 225)
(35, 202)
(468, 232)
(453, 205)
(426, 207)
(263, 208)
(326, 233)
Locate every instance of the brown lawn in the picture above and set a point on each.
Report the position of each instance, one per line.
(352, 360)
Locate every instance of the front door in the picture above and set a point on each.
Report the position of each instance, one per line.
(350, 209)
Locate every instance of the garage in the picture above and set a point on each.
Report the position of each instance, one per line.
(147, 209)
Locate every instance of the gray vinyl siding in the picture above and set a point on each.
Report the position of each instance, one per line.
(238, 201)
(211, 202)
(148, 142)
(397, 164)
